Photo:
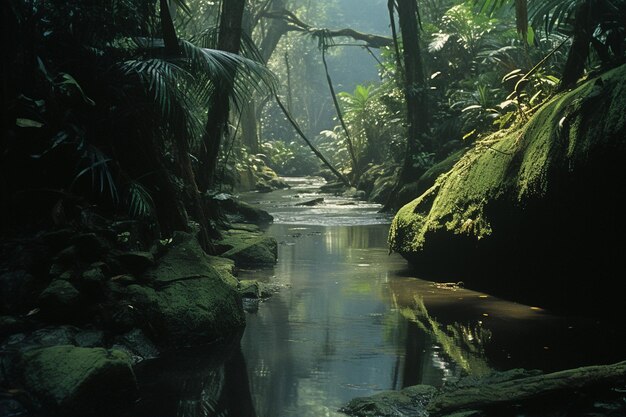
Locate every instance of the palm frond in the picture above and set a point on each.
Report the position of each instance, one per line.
(171, 89)
(183, 6)
(97, 165)
(489, 7)
(552, 15)
(213, 68)
(438, 42)
(139, 200)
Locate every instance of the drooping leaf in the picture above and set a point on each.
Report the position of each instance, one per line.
(21, 122)
(140, 203)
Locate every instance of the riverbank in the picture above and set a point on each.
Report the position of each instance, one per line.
(588, 391)
(530, 213)
(83, 305)
(346, 325)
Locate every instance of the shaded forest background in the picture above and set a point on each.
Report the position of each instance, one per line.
(149, 110)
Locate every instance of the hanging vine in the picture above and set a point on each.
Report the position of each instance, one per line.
(324, 41)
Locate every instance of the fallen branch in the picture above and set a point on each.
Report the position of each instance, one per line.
(526, 390)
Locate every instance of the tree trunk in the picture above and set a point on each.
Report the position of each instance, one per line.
(531, 391)
(415, 92)
(275, 29)
(229, 40)
(415, 89)
(170, 39)
(584, 23)
(172, 49)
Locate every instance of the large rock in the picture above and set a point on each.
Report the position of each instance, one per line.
(248, 248)
(240, 211)
(254, 289)
(259, 251)
(411, 191)
(79, 381)
(525, 211)
(60, 300)
(188, 301)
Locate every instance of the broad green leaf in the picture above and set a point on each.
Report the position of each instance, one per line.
(20, 122)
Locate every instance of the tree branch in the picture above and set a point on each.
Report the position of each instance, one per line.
(294, 24)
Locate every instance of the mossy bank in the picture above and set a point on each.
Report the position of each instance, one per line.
(532, 213)
(84, 304)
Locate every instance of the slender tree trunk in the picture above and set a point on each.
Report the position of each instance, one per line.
(289, 90)
(249, 127)
(275, 29)
(394, 35)
(415, 92)
(229, 39)
(584, 23)
(415, 89)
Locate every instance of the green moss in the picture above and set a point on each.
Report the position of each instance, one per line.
(225, 267)
(193, 298)
(516, 167)
(247, 248)
(79, 380)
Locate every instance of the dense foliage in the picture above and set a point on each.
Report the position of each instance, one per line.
(112, 104)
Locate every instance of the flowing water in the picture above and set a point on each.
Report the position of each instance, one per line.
(351, 320)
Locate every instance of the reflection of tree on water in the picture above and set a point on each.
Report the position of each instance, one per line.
(463, 344)
(203, 382)
(275, 365)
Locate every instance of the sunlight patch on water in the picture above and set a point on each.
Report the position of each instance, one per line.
(332, 211)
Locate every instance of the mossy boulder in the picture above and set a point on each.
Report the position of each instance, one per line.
(249, 248)
(79, 381)
(413, 190)
(260, 251)
(188, 300)
(60, 300)
(254, 289)
(525, 211)
(238, 211)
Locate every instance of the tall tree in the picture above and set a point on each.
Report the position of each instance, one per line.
(270, 34)
(415, 89)
(229, 40)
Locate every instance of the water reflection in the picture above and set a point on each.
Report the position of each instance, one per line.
(329, 335)
(463, 343)
(350, 321)
(211, 381)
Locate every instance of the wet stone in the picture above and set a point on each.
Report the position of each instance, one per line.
(136, 261)
(90, 338)
(137, 345)
(59, 300)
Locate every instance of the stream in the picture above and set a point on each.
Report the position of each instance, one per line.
(350, 320)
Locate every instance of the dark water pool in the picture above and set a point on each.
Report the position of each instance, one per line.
(351, 320)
